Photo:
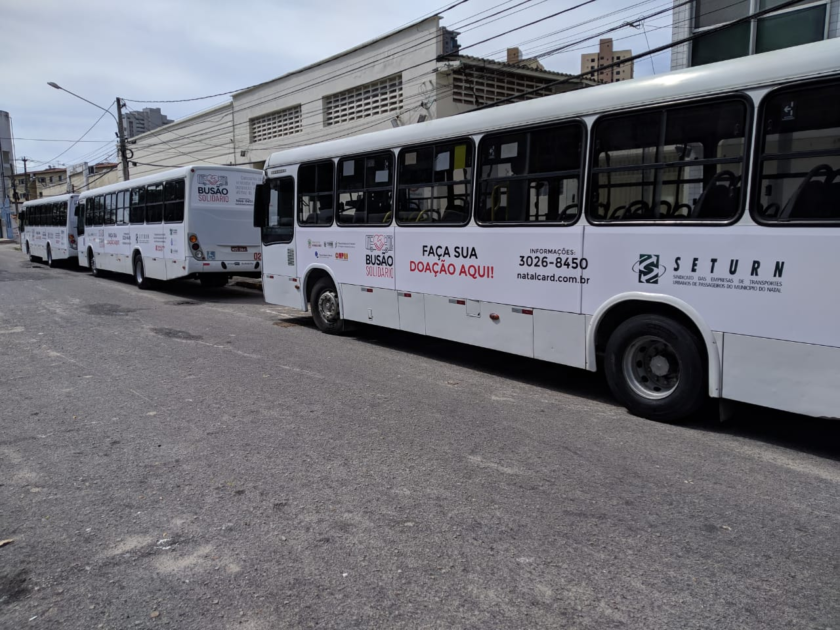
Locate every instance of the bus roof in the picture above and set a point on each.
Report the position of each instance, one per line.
(53, 199)
(808, 61)
(175, 173)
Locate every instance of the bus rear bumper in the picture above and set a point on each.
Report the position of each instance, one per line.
(234, 267)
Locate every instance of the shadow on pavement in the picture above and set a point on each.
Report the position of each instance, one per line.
(799, 433)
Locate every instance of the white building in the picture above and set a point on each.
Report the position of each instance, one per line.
(149, 119)
(406, 77)
(808, 21)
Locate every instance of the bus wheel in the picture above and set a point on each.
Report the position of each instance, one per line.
(92, 264)
(29, 253)
(213, 281)
(325, 307)
(140, 274)
(50, 261)
(655, 368)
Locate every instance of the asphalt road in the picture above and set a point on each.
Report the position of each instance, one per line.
(198, 459)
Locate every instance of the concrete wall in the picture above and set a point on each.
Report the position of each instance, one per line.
(204, 138)
(392, 55)
(222, 135)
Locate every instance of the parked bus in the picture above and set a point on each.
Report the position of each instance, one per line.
(680, 232)
(193, 221)
(48, 228)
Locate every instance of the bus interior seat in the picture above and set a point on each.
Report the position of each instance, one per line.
(811, 199)
(719, 200)
(454, 213)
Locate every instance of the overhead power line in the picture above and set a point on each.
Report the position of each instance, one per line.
(229, 92)
(208, 131)
(359, 128)
(684, 40)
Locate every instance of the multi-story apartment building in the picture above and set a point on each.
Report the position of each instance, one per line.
(802, 23)
(148, 119)
(61, 180)
(594, 63)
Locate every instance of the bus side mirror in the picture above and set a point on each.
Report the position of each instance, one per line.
(261, 197)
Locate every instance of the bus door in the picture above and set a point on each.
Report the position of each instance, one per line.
(274, 214)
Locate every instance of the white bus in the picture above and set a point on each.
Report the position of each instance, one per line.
(193, 221)
(680, 232)
(48, 228)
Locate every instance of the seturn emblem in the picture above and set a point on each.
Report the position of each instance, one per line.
(649, 268)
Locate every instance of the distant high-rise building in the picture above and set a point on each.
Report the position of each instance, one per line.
(594, 63)
(148, 119)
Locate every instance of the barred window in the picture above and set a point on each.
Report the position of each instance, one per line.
(281, 123)
(372, 99)
(481, 87)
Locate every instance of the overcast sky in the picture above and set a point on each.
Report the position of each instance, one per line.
(157, 49)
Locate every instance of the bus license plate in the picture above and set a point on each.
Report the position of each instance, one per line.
(239, 249)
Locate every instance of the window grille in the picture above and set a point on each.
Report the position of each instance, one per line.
(372, 99)
(482, 88)
(281, 123)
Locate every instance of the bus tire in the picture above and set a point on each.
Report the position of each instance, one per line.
(29, 253)
(94, 269)
(213, 281)
(325, 307)
(50, 261)
(140, 278)
(655, 367)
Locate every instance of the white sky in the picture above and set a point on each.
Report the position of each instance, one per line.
(159, 49)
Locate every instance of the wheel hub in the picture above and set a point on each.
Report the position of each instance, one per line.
(328, 306)
(651, 367)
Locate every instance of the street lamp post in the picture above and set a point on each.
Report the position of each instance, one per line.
(117, 118)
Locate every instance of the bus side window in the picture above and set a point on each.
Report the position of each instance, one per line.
(365, 190)
(154, 203)
(799, 156)
(137, 211)
(173, 193)
(434, 184)
(281, 211)
(111, 209)
(670, 164)
(122, 208)
(99, 210)
(62, 214)
(315, 196)
(530, 176)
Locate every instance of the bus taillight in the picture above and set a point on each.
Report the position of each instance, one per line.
(196, 247)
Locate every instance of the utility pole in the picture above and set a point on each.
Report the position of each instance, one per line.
(25, 179)
(15, 197)
(123, 152)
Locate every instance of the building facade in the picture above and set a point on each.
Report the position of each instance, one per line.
(7, 165)
(806, 22)
(594, 63)
(148, 119)
(409, 76)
